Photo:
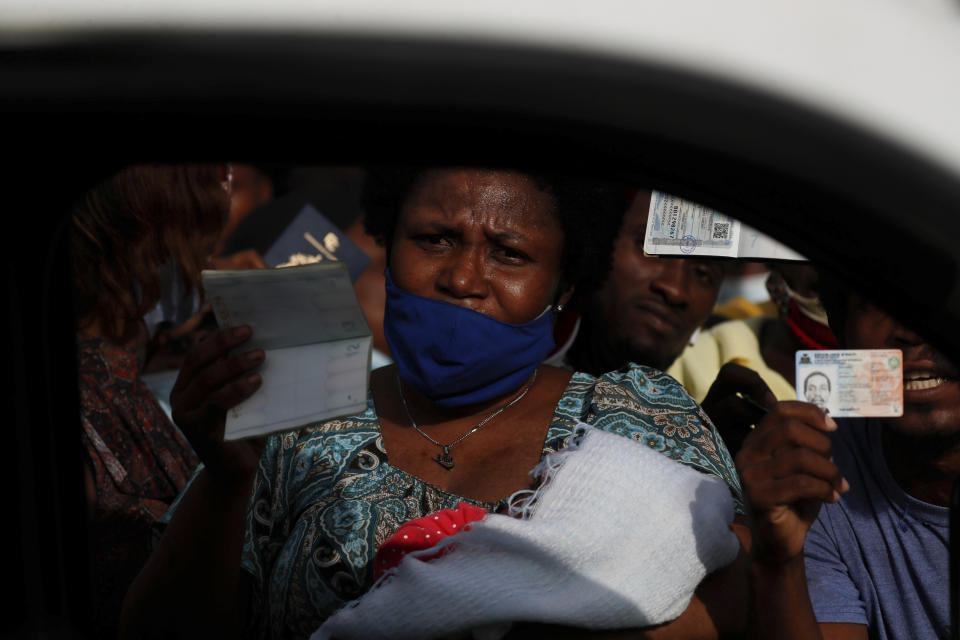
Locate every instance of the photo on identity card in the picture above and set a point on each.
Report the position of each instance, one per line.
(847, 383)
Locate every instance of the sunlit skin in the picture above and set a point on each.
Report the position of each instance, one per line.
(816, 389)
(933, 411)
(484, 240)
(922, 448)
(651, 306)
(488, 241)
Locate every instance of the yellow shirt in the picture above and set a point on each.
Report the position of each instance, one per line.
(698, 365)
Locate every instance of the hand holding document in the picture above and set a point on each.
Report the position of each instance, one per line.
(317, 343)
(865, 383)
(678, 227)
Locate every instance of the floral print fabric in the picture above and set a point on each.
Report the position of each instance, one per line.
(326, 497)
(139, 462)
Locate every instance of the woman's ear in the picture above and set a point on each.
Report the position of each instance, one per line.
(564, 297)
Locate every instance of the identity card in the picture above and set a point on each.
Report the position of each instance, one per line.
(865, 383)
(679, 227)
(317, 343)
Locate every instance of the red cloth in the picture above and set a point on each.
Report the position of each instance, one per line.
(424, 533)
(810, 333)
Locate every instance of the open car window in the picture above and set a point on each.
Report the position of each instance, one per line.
(845, 147)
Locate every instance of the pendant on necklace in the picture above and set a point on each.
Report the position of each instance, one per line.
(444, 459)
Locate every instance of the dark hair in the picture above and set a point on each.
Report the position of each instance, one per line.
(817, 373)
(126, 227)
(835, 298)
(589, 212)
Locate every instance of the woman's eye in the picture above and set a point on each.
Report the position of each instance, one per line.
(433, 241)
(510, 255)
(706, 275)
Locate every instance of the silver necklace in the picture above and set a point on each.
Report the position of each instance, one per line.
(444, 459)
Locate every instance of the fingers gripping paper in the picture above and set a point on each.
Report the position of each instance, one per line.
(618, 536)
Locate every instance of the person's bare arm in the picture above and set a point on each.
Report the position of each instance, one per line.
(787, 473)
(783, 609)
(843, 631)
(190, 587)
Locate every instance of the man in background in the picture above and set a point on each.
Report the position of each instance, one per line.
(648, 308)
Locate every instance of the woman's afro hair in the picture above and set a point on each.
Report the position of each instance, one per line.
(590, 212)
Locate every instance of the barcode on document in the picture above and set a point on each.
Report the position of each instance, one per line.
(721, 230)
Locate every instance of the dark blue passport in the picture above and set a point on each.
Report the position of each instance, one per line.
(311, 238)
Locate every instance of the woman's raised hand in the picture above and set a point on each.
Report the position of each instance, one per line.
(787, 473)
(212, 381)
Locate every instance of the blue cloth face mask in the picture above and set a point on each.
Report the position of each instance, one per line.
(456, 356)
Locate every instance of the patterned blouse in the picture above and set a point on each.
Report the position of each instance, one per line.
(326, 497)
(139, 461)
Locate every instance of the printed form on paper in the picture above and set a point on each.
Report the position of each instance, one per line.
(317, 343)
(678, 227)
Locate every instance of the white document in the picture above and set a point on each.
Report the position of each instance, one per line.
(317, 343)
(678, 227)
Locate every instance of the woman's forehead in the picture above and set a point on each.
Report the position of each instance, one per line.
(501, 198)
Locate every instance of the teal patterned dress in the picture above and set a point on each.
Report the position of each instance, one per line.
(326, 496)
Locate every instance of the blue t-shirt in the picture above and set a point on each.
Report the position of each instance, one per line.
(878, 557)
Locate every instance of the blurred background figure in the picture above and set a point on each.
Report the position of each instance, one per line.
(252, 187)
(764, 344)
(743, 293)
(137, 238)
(180, 319)
(756, 357)
(333, 191)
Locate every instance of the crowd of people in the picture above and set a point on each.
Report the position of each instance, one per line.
(561, 437)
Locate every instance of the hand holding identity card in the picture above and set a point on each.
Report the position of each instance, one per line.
(862, 383)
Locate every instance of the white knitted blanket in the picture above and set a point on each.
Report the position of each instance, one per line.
(617, 536)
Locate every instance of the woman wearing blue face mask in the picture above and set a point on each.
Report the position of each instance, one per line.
(273, 537)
